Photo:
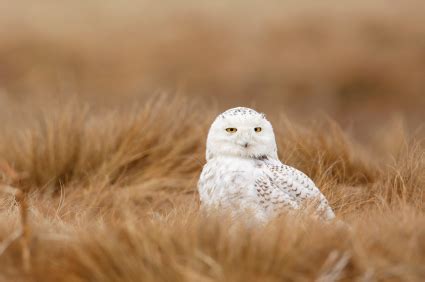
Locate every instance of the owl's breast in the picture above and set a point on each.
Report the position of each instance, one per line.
(227, 182)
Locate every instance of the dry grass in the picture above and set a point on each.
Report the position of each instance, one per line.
(98, 171)
(112, 196)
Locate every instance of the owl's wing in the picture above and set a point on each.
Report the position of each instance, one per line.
(296, 185)
(271, 197)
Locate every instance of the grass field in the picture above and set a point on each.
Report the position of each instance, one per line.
(105, 107)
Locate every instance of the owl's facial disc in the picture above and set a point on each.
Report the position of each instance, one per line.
(241, 132)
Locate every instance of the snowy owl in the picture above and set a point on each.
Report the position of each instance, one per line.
(243, 173)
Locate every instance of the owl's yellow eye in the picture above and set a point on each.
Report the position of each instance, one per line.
(258, 129)
(231, 130)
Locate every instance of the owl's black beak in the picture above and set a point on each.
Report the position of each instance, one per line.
(246, 145)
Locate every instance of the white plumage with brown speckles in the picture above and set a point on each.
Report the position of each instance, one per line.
(243, 175)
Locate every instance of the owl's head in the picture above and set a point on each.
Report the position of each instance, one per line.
(241, 132)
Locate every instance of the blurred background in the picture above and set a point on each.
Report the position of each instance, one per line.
(359, 62)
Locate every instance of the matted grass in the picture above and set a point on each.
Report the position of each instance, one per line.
(112, 197)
